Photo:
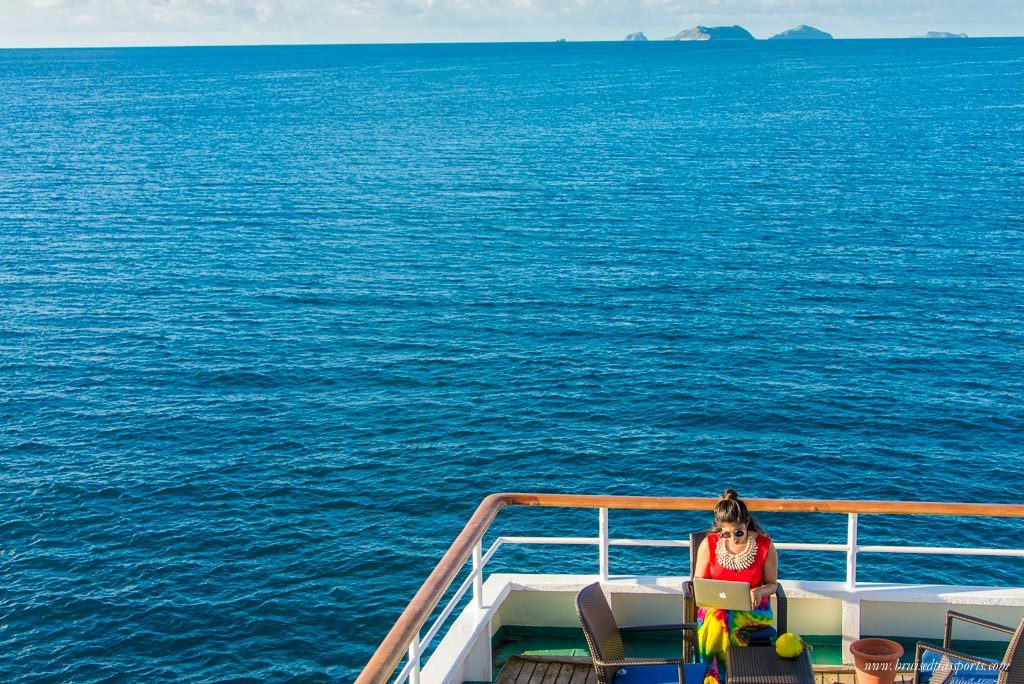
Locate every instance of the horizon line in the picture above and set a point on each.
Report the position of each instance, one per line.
(484, 42)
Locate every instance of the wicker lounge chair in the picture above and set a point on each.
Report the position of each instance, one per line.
(604, 638)
(762, 637)
(942, 665)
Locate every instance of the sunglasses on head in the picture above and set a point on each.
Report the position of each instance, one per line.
(738, 534)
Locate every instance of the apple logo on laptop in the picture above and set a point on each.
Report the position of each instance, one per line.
(721, 595)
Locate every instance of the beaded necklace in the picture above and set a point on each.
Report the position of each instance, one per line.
(736, 561)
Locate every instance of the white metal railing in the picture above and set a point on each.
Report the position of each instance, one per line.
(604, 542)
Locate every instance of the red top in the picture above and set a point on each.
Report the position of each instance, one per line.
(752, 575)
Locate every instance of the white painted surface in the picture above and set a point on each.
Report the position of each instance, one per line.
(451, 661)
(478, 665)
(851, 550)
(540, 609)
(927, 621)
(851, 611)
(815, 615)
(478, 576)
(814, 608)
(602, 537)
(414, 661)
(647, 609)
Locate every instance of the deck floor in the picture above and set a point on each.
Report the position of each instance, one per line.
(527, 670)
(540, 670)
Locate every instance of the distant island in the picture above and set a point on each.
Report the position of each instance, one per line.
(941, 34)
(802, 32)
(713, 33)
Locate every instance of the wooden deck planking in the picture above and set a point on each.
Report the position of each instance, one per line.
(510, 671)
(526, 674)
(552, 674)
(565, 674)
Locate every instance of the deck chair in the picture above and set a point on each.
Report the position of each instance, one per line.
(762, 637)
(604, 638)
(942, 665)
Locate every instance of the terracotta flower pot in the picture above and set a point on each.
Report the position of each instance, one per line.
(875, 660)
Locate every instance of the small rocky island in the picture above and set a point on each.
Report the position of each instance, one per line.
(639, 35)
(802, 32)
(941, 34)
(714, 33)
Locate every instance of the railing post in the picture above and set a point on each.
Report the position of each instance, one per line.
(602, 518)
(851, 551)
(478, 579)
(414, 659)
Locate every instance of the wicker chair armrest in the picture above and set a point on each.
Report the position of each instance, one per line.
(658, 628)
(970, 619)
(923, 646)
(781, 609)
(690, 615)
(639, 662)
(689, 601)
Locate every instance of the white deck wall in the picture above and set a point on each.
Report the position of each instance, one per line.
(814, 608)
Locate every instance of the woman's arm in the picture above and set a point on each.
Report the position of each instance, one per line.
(769, 576)
(701, 568)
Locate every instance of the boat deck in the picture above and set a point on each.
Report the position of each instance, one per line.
(572, 670)
(548, 649)
(527, 670)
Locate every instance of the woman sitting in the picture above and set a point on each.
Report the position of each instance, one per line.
(736, 549)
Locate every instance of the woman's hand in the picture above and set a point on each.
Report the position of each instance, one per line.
(758, 593)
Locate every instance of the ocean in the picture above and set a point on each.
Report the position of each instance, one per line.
(273, 321)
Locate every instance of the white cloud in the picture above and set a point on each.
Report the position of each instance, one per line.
(204, 21)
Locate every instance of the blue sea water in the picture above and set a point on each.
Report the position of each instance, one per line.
(273, 320)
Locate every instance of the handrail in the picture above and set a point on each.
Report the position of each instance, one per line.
(395, 645)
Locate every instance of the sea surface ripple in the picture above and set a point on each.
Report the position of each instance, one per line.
(273, 320)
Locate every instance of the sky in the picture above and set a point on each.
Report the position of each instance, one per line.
(58, 23)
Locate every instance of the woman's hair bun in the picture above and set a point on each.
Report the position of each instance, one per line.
(731, 509)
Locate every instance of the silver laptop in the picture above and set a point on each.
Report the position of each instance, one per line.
(711, 593)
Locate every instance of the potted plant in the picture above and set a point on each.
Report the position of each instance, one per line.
(875, 660)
